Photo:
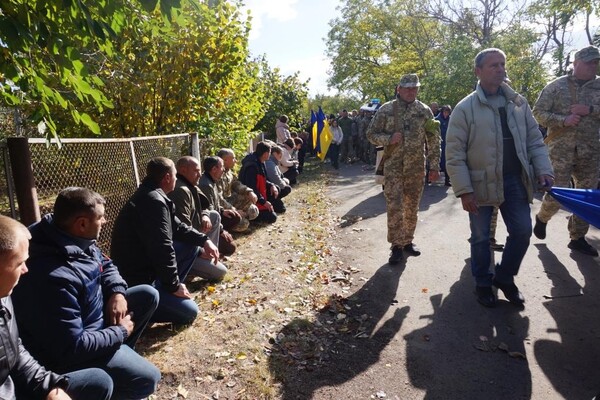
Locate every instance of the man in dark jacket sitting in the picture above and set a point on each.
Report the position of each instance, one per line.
(20, 373)
(73, 308)
(143, 244)
(254, 175)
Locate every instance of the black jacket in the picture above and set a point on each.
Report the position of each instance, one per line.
(17, 366)
(142, 238)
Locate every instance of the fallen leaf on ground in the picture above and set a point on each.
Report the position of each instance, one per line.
(516, 354)
(181, 391)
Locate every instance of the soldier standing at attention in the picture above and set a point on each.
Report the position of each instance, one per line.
(403, 126)
(570, 108)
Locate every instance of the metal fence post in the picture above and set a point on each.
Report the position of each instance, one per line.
(22, 169)
(195, 146)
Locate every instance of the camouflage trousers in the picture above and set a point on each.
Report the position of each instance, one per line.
(403, 193)
(580, 163)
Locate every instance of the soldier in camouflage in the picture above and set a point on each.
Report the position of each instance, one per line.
(570, 108)
(403, 126)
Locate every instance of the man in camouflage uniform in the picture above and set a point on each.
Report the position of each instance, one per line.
(234, 194)
(570, 108)
(403, 126)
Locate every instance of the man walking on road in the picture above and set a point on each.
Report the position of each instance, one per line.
(570, 108)
(403, 126)
(494, 153)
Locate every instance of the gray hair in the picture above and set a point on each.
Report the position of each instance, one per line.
(11, 233)
(480, 57)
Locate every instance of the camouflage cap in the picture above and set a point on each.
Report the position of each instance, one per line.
(589, 53)
(409, 81)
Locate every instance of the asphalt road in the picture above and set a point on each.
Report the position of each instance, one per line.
(431, 339)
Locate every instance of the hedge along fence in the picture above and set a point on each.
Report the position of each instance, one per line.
(112, 167)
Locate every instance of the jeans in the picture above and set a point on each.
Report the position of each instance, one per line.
(89, 384)
(132, 375)
(516, 215)
(334, 154)
(142, 301)
(171, 308)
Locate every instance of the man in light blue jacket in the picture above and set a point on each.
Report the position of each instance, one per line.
(495, 156)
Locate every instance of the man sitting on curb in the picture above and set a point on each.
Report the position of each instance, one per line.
(20, 373)
(235, 194)
(230, 217)
(192, 208)
(254, 175)
(152, 246)
(73, 308)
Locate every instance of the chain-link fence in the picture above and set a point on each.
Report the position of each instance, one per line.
(7, 206)
(107, 166)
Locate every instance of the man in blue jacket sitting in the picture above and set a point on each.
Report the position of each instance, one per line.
(74, 310)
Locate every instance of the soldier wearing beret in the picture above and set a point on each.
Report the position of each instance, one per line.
(403, 126)
(570, 108)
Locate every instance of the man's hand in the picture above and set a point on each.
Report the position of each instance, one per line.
(433, 175)
(469, 203)
(253, 197)
(546, 182)
(580, 109)
(127, 323)
(231, 213)
(206, 224)
(572, 120)
(396, 138)
(269, 206)
(116, 309)
(58, 394)
(182, 292)
(211, 252)
(274, 191)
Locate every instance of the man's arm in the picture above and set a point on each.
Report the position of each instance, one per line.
(457, 139)
(184, 204)
(552, 106)
(376, 132)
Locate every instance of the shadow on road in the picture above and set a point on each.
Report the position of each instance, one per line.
(347, 337)
(571, 361)
(459, 354)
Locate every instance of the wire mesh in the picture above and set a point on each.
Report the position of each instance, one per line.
(103, 165)
(5, 194)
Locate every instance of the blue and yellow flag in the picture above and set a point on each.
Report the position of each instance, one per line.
(322, 136)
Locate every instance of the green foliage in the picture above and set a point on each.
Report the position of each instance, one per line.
(283, 95)
(45, 45)
(373, 43)
(334, 104)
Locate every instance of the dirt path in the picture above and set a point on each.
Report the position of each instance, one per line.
(428, 338)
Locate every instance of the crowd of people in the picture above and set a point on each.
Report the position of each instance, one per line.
(70, 316)
(92, 309)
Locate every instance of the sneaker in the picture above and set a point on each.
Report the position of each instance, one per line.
(582, 246)
(485, 296)
(412, 250)
(396, 255)
(539, 230)
(511, 292)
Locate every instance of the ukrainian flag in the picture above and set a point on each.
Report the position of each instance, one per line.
(322, 136)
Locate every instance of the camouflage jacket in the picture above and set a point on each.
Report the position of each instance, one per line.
(553, 106)
(415, 121)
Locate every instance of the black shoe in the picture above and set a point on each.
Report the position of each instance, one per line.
(496, 246)
(582, 246)
(485, 296)
(412, 250)
(396, 255)
(511, 292)
(539, 230)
